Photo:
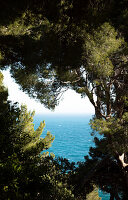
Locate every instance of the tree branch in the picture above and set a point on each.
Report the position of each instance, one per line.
(121, 158)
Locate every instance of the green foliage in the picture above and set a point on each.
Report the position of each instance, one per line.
(51, 46)
(50, 49)
(99, 47)
(26, 172)
(26, 138)
(106, 127)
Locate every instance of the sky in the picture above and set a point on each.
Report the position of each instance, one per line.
(71, 102)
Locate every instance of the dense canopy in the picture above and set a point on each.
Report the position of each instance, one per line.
(50, 46)
(56, 45)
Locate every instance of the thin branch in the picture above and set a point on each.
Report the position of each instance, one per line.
(70, 82)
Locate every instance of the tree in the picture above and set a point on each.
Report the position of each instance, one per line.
(56, 49)
(33, 35)
(26, 172)
(100, 168)
(49, 70)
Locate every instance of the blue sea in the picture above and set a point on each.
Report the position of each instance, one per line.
(72, 136)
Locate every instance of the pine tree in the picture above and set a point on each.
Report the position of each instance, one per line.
(82, 46)
(26, 172)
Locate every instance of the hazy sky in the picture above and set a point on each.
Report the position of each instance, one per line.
(71, 102)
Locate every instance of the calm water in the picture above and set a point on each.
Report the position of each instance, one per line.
(72, 136)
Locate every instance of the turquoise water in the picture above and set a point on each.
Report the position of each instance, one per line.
(72, 136)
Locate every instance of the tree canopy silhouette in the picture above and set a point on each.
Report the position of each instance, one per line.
(51, 46)
(26, 171)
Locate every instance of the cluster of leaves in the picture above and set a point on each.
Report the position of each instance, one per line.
(103, 167)
(51, 46)
(47, 45)
(26, 172)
